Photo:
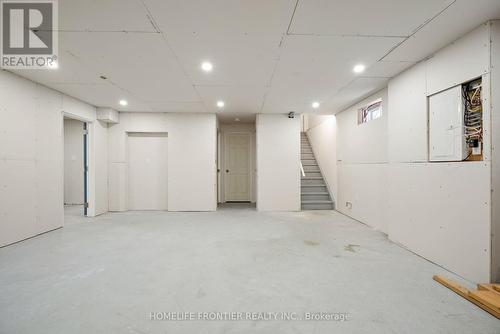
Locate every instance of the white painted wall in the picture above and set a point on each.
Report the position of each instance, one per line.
(278, 157)
(248, 128)
(191, 158)
(31, 157)
(441, 211)
(73, 162)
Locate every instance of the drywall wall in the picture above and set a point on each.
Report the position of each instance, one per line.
(98, 172)
(363, 193)
(191, 158)
(441, 211)
(247, 128)
(495, 150)
(353, 160)
(278, 162)
(97, 153)
(465, 59)
(31, 157)
(407, 130)
(323, 138)
(362, 164)
(31, 150)
(363, 143)
(147, 171)
(73, 162)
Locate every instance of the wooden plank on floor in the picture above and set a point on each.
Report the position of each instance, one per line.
(489, 287)
(488, 298)
(465, 293)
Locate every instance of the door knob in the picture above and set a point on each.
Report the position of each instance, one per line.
(227, 170)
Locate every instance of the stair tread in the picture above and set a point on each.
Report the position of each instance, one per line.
(313, 185)
(317, 202)
(315, 193)
(312, 178)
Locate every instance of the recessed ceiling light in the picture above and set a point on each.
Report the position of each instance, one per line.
(236, 119)
(315, 105)
(207, 66)
(220, 104)
(359, 68)
(123, 102)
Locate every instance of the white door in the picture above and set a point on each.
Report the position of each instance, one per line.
(147, 170)
(237, 167)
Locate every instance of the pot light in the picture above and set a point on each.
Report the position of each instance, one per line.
(123, 102)
(220, 104)
(315, 105)
(236, 119)
(359, 68)
(207, 66)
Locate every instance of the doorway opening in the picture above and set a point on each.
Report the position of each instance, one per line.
(236, 164)
(75, 133)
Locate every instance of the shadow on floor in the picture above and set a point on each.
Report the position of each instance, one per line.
(236, 206)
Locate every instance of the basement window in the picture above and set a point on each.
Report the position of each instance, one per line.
(370, 112)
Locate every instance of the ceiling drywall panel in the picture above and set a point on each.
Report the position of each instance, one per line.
(150, 51)
(387, 69)
(70, 70)
(457, 20)
(245, 61)
(358, 89)
(236, 98)
(138, 63)
(222, 20)
(176, 106)
(364, 17)
(316, 68)
(103, 15)
(101, 95)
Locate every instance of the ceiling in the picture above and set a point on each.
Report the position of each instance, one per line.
(268, 56)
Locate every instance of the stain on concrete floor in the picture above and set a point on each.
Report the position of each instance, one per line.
(351, 248)
(311, 243)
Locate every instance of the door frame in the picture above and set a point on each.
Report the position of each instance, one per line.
(88, 171)
(85, 169)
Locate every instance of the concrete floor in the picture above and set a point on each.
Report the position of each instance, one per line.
(107, 274)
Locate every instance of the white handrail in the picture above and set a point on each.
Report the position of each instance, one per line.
(302, 170)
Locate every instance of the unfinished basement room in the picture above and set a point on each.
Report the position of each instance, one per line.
(250, 166)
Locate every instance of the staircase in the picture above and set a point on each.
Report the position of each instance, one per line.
(314, 193)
